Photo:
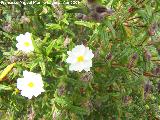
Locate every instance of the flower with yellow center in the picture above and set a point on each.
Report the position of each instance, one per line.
(30, 85)
(27, 44)
(24, 42)
(80, 58)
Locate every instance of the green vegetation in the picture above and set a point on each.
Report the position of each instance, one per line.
(123, 82)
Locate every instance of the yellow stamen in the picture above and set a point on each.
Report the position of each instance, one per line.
(26, 44)
(80, 59)
(31, 84)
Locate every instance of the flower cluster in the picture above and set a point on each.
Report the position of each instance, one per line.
(79, 58)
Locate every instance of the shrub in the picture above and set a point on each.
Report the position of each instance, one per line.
(123, 82)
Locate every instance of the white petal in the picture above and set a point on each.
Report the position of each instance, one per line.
(87, 69)
(28, 35)
(26, 94)
(26, 73)
(76, 67)
(20, 83)
(88, 54)
(19, 38)
(78, 50)
(71, 59)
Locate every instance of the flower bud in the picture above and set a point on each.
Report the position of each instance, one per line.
(109, 56)
(131, 9)
(61, 90)
(152, 29)
(132, 60)
(25, 19)
(156, 71)
(147, 55)
(88, 105)
(31, 113)
(135, 56)
(7, 27)
(127, 99)
(147, 88)
(86, 77)
(66, 41)
(81, 16)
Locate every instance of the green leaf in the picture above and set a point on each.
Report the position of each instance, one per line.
(84, 23)
(35, 46)
(111, 28)
(43, 68)
(4, 87)
(70, 7)
(78, 110)
(49, 48)
(53, 26)
(64, 102)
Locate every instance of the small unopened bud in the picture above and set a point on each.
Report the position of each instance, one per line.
(25, 19)
(15, 71)
(82, 91)
(31, 113)
(132, 60)
(156, 71)
(7, 27)
(56, 115)
(109, 56)
(81, 16)
(147, 55)
(88, 105)
(66, 41)
(58, 10)
(135, 56)
(97, 53)
(127, 99)
(131, 9)
(147, 88)
(86, 77)
(61, 90)
(152, 29)
(13, 59)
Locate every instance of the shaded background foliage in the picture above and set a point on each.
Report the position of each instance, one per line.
(124, 80)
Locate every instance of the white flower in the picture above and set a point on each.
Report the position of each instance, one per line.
(30, 85)
(24, 42)
(80, 58)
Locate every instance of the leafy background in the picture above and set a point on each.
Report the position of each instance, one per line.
(124, 80)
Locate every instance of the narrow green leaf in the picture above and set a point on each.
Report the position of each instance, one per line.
(53, 26)
(4, 87)
(35, 46)
(49, 48)
(84, 23)
(43, 68)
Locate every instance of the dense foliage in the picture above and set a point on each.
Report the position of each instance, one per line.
(123, 82)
